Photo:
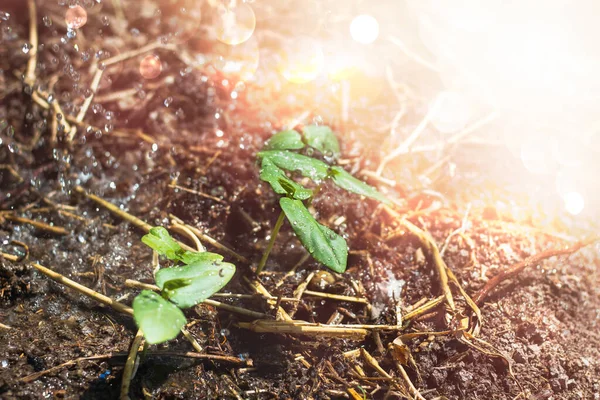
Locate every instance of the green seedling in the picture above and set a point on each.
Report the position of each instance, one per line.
(201, 275)
(280, 154)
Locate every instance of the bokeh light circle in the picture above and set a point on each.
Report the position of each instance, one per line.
(302, 62)
(364, 29)
(75, 17)
(235, 24)
(574, 202)
(150, 66)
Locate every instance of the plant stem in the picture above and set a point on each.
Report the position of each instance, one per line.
(274, 233)
(128, 371)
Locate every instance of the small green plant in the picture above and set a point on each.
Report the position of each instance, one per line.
(281, 154)
(201, 275)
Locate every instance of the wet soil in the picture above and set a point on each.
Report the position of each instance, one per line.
(199, 136)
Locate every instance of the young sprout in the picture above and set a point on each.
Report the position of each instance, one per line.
(279, 156)
(201, 275)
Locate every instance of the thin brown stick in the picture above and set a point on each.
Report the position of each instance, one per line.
(336, 296)
(10, 257)
(196, 192)
(134, 53)
(190, 354)
(259, 288)
(55, 276)
(57, 230)
(116, 95)
(130, 364)
(192, 340)
(33, 377)
(428, 242)
(292, 271)
(429, 305)
(234, 309)
(303, 328)
(143, 225)
(411, 387)
(205, 238)
(86, 103)
(299, 291)
(33, 39)
(184, 230)
(529, 261)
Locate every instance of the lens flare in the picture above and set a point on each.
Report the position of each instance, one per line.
(302, 63)
(150, 66)
(364, 29)
(240, 60)
(450, 112)
(574, 202)
(235, 24)
(75, 17)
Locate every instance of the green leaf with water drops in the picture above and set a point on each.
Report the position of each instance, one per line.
(191, 257)
(159, 319)
(188, 285)
(159, 240)
(311, 168)
(280, 183)
(346, 181)
(322, 243)
(285, 140)
(323, 139)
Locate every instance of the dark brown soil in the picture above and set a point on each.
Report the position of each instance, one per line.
(545, 322)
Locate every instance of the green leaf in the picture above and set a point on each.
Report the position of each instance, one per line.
(191, 257)
(322, 243)
(159, 319)
(309, 167)
(280, 183)
(346, 181)
(188, 285)
(323, 139)
(159, 240)
(285, 140)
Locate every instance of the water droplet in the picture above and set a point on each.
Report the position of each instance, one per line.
(75, 17)
(71, 33)
(47, 20)
(150, 66)
(310, 151)
(105, 20)
(26, 47)
(4, 16)
(168, 101)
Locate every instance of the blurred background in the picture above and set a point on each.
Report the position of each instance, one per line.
(491, 105)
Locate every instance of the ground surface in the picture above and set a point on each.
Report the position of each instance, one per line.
(544, 322)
